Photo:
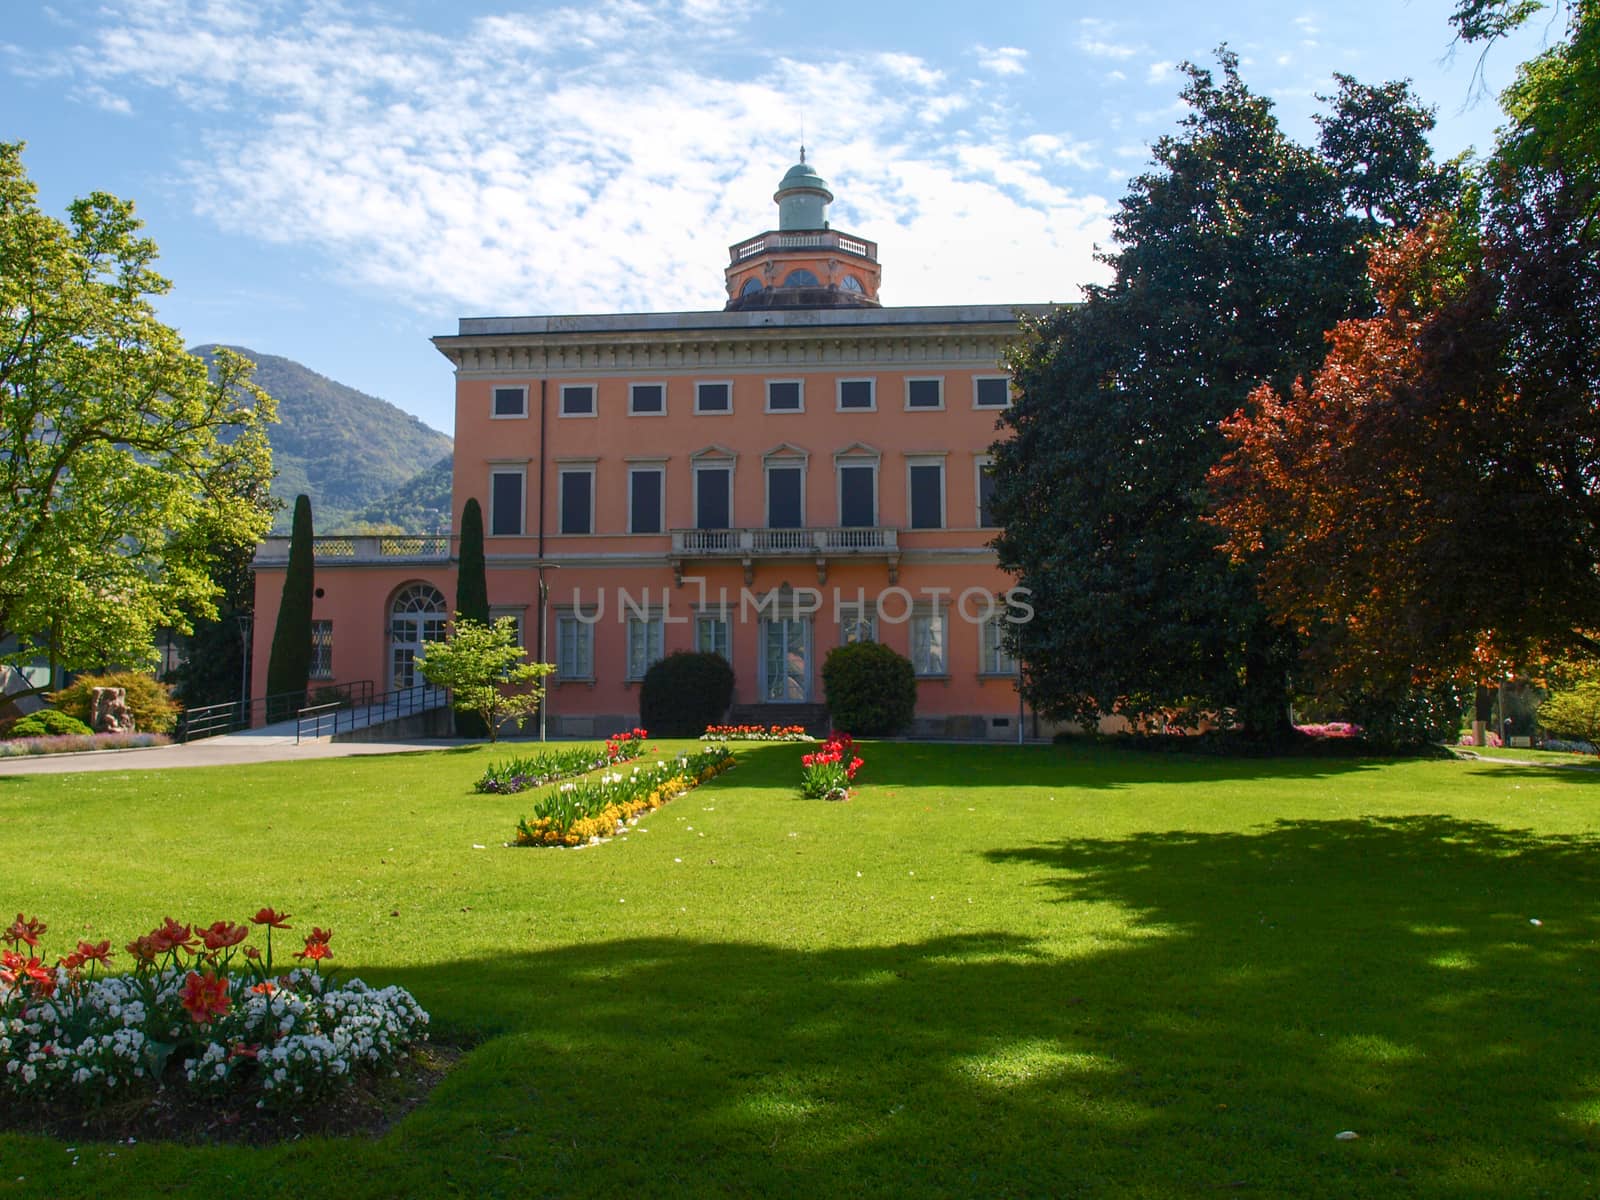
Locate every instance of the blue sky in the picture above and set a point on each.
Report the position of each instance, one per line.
(336, 182)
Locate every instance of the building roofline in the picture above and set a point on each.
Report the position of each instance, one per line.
(729, 322)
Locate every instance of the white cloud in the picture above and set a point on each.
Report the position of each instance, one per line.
(1095, 37)
(577, 162)
(1159, 72)
(1002, 60)
(1116, 77)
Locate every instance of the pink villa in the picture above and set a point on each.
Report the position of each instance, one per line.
(803, 469)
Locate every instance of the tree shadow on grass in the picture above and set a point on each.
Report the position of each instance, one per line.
(1272, 989)
(1258, 993)
(1070, 765)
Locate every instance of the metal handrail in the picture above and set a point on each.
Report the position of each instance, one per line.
(209, 720)
(312, 721)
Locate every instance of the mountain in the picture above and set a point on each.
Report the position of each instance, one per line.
(350, 452)
(420, 505)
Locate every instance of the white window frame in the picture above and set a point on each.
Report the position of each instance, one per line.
(719, 620)
(658, 465)
(634, 386)
(712, 464)
(713, 412)
(938, 379)
(838, 395)
(494, 402)
(840, 461)
(651, 630)
(594, 401)
(563, 469)
(929, 460)
(992, 655)
(518, 613)
(856, 615)
(977, 379)
(925, 667)
(799, 383)
(583, 646)
(980, 463)
(321, 650)
(521, 471)
(789, 461)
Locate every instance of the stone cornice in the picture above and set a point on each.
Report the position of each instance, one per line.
(955, 337)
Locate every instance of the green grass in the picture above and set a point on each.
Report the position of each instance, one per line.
(1527, 754)
(1047, 971)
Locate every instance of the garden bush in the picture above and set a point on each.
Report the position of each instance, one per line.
(870, 690)
(47, 722)
(685, 692)
(151, 703)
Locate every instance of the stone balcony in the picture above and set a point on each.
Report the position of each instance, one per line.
(820, 544)
(361, 549)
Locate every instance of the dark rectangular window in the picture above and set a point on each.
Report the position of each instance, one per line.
(927, 496)
(712, 507)
(648, 398)
(505, 503)
(924, 393)
(985, 496)
(510, 402)
(577, 401)
(576, 490)
(784, 397)
(858, 506)
(644, 500)
(994, 393)
(855, 393)
(783, 498)
(711, 397)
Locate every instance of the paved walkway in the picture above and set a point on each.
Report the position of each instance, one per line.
(271, 743)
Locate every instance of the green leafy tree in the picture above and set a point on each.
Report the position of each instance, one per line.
(472, 592)
(289, 666)
(1572, 710)
(122, 460)
(1236, 254)
(486, 671)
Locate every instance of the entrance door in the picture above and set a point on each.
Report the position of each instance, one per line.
(786, 661)
(418, 617)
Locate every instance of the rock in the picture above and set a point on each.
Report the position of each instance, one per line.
(109, 711)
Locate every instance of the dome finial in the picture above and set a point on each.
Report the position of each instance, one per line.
(802, 152)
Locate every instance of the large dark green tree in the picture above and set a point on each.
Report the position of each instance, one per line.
(472, 598)
(289, 666)
(1234, 255)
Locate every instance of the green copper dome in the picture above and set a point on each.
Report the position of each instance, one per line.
(803, 197)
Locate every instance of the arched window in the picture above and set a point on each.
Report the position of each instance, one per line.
(417, 616)
(751, 287)
(801, 278)
(851, 284)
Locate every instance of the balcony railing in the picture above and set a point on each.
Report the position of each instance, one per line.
(361, 548)
(820, 239)
(737, 543)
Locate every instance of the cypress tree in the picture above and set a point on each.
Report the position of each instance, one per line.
(289, 666)
(472, 596)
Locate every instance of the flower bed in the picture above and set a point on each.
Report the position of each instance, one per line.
(827, 773)
(582, 812)
(187, 1018)
(535, 770)
(756, 733)
(73, 743)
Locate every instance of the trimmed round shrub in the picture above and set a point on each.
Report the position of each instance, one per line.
(684, 692)
(47, 722)
(871, 690)
(151, 703)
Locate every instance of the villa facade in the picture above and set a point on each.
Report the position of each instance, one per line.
(802, 469)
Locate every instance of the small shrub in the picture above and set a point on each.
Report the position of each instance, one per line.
(47, 722)
(684, 693)
(869, 688)
(151, 703)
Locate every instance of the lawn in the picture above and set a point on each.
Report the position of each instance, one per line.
(998, 971)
